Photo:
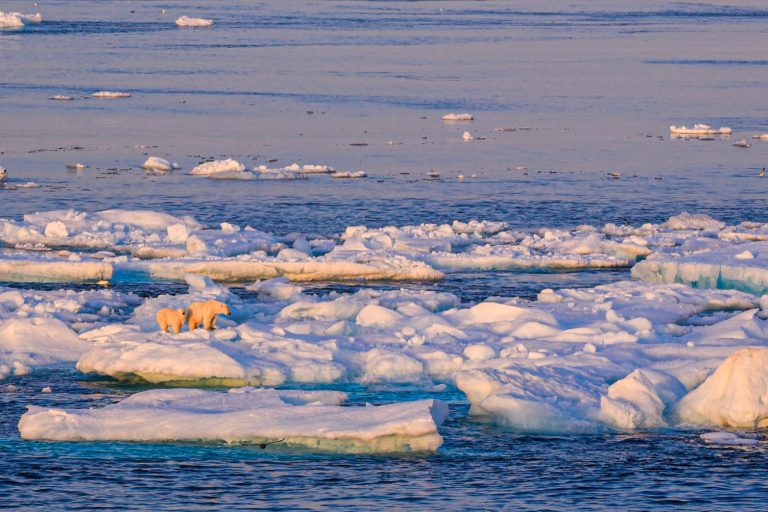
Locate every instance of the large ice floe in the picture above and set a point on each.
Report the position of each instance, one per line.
(313, 419)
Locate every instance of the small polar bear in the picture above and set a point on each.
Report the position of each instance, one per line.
(205, 313)
(173, 318)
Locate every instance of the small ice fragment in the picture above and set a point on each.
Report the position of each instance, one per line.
(61, 97)
(110, 94)
(433, 174)
(742, 144)
(155, 163)
(699, 129)
(345, 174)
(589, 348)
(762, 136)
(185, 21)
(458, 117)
(690, 344)
(75, 165)
(28, 184)
(46, 389)
(467, 137)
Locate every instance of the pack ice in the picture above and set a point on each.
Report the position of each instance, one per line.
(312, 419)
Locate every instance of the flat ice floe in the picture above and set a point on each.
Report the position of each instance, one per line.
(458, 117)
(185, 21)
(699, 129)
(312, 419)
(110, 94)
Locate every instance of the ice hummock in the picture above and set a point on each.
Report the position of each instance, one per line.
(311, 419)
(733, 396)
(186, 21)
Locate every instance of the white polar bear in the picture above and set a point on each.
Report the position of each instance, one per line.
(205, 313)
(173, 318)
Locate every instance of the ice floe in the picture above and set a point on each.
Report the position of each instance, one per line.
(155, 163)
(185, 21)
(311, 419)
(458, 117)
(217, 166)
(17, 19)
(699, 129)
(110, 94)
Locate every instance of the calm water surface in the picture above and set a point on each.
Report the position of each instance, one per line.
(590, 87)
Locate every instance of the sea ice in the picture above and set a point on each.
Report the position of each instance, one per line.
(217, 166)
(155, 163)
(110, 94)
(458, 117)
(311, 419)
(185, 21)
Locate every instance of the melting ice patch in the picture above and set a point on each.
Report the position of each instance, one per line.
(312, 419)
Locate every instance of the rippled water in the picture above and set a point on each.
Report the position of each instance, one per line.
(595, 84)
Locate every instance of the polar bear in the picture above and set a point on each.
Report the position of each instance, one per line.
(173, 318)
(205, 313)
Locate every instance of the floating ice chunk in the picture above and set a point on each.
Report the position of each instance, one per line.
(11, 20)
(762, 136)
(745, 255)
(347, 174)
(217, 166)
(312, 419)
(77, 166)
(155, 163)
(277, 289)
(733, 396)
(202, 285)
(288, 173)
(61, 97)
(728, 439)
(185, 21)
(458, 117)
(177, 233)
(110, 94)
(467, 137)
(30, 18)
(699, 129)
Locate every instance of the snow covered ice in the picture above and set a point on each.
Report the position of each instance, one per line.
(312, 419)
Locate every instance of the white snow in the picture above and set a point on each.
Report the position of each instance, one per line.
(185, 21)
(312, 419)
